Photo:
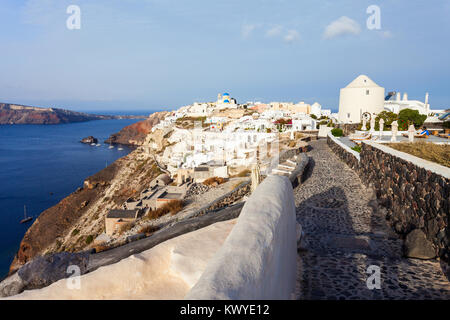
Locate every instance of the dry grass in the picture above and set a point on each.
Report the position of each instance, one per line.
(126, 227)
(425, 150)
(172, 207)
(211, 181)
(238, 184)
(101, 248)
(148, 229)
(243, 173)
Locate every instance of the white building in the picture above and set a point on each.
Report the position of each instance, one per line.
(304, 123)
(199, 110)
(316, 109)
(361, 96)
(396, 103)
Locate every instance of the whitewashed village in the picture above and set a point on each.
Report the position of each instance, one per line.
(332, 184)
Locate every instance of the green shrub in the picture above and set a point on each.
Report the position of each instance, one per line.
(388, 118)
(357, 149)
(337, 132)
(409, 116)
(75, 232)
(89, 239)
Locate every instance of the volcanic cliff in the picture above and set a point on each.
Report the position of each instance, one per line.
(136, 133)
(19, 114)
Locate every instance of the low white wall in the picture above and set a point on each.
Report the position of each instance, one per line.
(167, 271)
(344, 146)
(324, 130)
(259, 258)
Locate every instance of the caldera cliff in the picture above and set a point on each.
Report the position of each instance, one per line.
(136, 133)
(19, 114)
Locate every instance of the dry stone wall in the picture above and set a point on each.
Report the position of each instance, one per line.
(415, 192)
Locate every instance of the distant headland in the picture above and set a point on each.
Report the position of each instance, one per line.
(20, 114)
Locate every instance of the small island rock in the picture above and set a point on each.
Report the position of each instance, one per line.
(89, 140)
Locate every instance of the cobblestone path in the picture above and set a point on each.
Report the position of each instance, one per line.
(345, 233)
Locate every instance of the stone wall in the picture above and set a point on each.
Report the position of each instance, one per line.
(227, 199)
(415, 192)
(348, 128)
(258, 260)
(349, 156)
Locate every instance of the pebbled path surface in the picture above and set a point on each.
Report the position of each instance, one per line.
(345, 233)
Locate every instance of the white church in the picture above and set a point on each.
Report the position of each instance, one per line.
(360, 97)
(363, 97)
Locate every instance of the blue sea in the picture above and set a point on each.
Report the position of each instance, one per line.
(42, 164)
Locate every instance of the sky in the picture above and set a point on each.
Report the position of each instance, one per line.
(163, 54)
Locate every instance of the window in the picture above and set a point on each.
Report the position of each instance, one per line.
(348, 115)
(367, 92)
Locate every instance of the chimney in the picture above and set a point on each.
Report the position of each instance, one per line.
(405, 97)
(398, 96)
(426, 99)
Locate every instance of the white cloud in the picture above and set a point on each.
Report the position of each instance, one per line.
(274, 31)
(387, 34)
(291, 36)
(342, 26)
(247, 30)
(278, 31)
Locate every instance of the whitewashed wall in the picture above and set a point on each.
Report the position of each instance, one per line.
(259, 258)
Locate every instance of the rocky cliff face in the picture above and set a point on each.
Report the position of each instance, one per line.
(18, 114)
(136, 133)
(74, 222)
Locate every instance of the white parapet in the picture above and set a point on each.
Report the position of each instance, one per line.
(286, 167)
(259, 258)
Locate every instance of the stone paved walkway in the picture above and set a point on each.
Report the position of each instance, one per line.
(345, 233)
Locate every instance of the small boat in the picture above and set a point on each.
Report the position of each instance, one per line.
(92, 144)
(98, 144)
(111, 147)
(25, 219)
(120, 149)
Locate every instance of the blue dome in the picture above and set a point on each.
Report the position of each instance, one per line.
(226, 94)
(226, 101)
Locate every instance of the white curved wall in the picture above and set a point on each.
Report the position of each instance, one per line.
(356, 101)
(259, 258)
(166, 271)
